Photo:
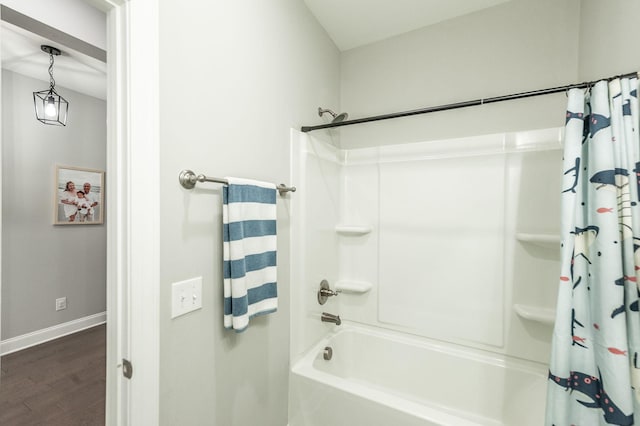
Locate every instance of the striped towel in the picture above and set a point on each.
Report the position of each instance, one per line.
(249, 251)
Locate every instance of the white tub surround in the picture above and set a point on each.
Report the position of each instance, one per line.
(453, 241)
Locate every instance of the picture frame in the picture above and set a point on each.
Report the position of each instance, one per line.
(71, 205)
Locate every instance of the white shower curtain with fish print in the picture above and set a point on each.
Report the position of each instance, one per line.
(594, 373)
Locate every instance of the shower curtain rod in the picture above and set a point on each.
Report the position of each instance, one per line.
(465, 104)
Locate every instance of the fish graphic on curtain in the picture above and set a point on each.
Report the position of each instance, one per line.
(594, 372)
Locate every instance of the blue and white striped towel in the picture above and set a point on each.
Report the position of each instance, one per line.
(249, 251)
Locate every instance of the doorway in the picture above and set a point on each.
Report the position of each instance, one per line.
(53, 276)
(132, 204)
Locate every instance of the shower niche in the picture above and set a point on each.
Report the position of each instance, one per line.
(536, 243)
(550, 244)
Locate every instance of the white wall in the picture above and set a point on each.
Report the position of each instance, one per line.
(609, 33)
(40, 261)
(234, 78)
(515, 47)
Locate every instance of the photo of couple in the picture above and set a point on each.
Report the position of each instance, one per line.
(79, 196)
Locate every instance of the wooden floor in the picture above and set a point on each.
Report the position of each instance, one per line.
(61, 382)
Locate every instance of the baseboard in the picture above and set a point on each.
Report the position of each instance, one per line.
(25, 341)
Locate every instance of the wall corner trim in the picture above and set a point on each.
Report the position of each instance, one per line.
(37, 337)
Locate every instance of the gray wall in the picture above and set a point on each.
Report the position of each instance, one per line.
(40, 261)
(235, 76)
(514, 47)
(609, 33)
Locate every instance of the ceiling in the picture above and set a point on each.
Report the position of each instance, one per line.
(349, 23)
(72, 70)
(354, 23)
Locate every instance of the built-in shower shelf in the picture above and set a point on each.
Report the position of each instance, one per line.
(353, 230)
(545, 240)
(535, 313)
(354, 286)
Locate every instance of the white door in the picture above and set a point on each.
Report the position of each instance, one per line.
(118, 347)
(134, 230)
(133, 236)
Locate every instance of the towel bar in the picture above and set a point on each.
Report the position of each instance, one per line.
(188, 180)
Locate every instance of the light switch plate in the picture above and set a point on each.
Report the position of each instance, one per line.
(186, 296)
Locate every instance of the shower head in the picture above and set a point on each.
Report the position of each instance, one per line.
(336, 117)
(340, 117)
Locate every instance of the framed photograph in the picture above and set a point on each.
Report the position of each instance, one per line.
(79, 196)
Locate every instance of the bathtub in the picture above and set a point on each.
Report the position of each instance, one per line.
(382, 378)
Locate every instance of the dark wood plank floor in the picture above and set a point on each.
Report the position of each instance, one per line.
(61, 382)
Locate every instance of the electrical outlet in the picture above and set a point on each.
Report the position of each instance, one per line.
(61, 303)
(186, 296)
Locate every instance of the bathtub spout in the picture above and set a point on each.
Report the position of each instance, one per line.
(331, 318)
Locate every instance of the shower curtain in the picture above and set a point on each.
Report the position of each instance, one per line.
(594, 373)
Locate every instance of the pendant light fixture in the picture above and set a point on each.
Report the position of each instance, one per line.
(51, 108)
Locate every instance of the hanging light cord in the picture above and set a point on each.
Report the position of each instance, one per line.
(52, 81)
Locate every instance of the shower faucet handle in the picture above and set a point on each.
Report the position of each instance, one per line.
(325, 292)
(329, 293)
